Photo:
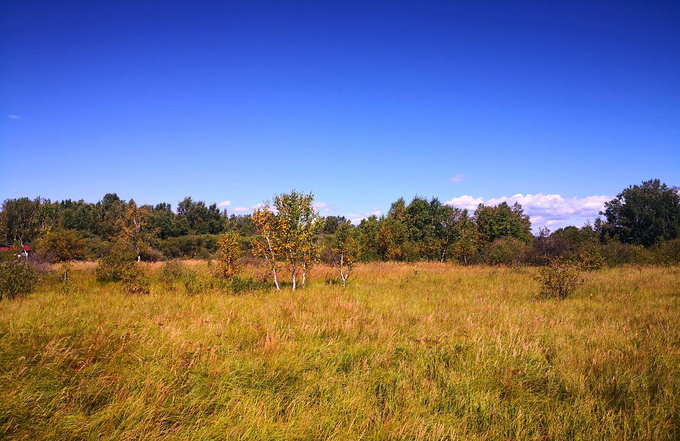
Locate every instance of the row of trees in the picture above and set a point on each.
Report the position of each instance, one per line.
(641, 220)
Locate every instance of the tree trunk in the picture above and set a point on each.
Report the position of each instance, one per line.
(293, 275)
(304, 273)
(276, 280)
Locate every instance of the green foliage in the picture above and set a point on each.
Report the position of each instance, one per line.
(201, 247)
(558, 280)
(346, 249)
(669, 252)
(229, 255)
(172, 271)
(242, 285)
(644, 214)
(198, 282)
(110, 213)
(502, 221)
(21, 220)
(114, 265)
(201, 219)
(591, 258)
(16, 277)
(297, 228)
(63, 245)
(616, 253)
(166, 223)
(135, 280)
(504, 251)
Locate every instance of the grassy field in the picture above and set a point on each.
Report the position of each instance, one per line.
(406, 351)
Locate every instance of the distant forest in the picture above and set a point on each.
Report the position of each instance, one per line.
(640, 225)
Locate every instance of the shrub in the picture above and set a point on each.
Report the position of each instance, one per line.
(115, 264)
(559, 279)
(504, 251)
(242, 285)
(198, 283)
(195, 246)
(136, 280)
(149, 254)
(229, 255)
(172, 271)
(62, 245)
(668, 253)
(590, 257)
(16, 277)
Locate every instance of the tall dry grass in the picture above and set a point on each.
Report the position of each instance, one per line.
(406, 351)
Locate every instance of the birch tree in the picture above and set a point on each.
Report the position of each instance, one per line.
(346, 250)
(132, 227)
(266, 244)
(298, 224)
(229, 254)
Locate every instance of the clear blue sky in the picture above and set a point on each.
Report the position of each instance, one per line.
(361, 102)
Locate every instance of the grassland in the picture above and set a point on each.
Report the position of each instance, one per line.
(419, 351)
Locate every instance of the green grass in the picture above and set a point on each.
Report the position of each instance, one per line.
(419, 351)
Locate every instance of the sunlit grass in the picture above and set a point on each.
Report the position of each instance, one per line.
(406, 351)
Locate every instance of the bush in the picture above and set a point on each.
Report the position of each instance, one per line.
(504, 251)
(198, 283)
(114, 265)
(136, 280)
(229, 255)
(668, 253)
(617, 253)
(172, 271)
(16, 277)
(95, 248)
(242, 285)
(149, 254)
(195, 246)
(590, 257)
(62, 245)
(558, 280)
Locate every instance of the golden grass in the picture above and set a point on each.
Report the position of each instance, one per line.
(406, 351)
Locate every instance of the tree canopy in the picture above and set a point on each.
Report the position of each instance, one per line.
(644, 214)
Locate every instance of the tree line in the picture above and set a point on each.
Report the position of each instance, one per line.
(640, 225)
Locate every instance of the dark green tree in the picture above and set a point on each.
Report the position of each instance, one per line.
(201, 219)
(110, 212)
(20, 220)
(163, 220)
(644, 214)
(502, 221)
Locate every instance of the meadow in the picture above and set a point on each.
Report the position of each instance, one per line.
(406, 351)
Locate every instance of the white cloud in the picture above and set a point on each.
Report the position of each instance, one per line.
(458, 178)
(356, 218)
(224, 204)
(465, 201)
(544, 210)
(240, 209)
(320, 205)
(14, 116)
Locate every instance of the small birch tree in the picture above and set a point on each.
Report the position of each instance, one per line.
(229, 254)
(266, 244)
(346, 250)
(133, 227)
(297, 228)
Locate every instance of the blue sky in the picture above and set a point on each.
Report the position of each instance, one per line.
(559, 105)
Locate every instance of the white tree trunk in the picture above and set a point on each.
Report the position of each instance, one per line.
(293, 275)
(276, 280)
(304, 273)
